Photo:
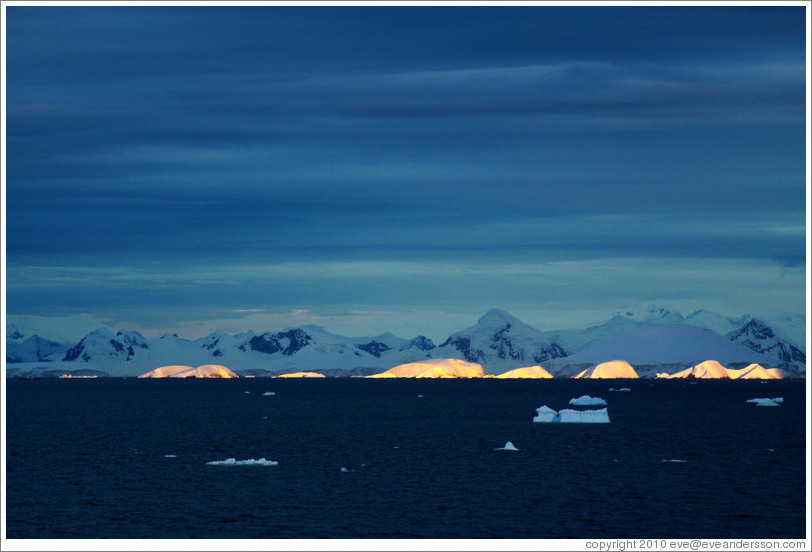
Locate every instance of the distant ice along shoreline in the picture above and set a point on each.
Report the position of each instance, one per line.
(505, 347)
(430, 369)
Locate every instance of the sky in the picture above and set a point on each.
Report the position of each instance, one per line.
(405, 169)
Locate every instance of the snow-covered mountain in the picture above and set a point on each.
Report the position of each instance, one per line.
(500, 342)
(624, 321)
(662, 348)
(60, 329)
(35, 349)
(793, 325)
(127, 353)
(714, 321)
(758, 336)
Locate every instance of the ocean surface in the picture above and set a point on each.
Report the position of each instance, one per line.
(127, 458)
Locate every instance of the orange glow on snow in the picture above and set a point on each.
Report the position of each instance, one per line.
(435, 368)
(609, 370)
(204, 371)
(530, 372)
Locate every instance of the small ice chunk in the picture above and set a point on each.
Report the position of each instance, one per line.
(248, 462)
(586, 400)
(420, 396)
(246, 391)
(767, 402)
(508, 446)
(545, 414)
(344, 470)
(600, 416)
(268, 394)
(621, 389)
(170, 456)
(675, 460)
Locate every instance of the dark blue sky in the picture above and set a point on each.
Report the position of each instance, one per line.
(403, 168)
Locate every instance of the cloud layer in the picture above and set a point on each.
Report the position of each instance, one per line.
(178, 148)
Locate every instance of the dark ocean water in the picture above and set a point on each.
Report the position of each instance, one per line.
(86, 458)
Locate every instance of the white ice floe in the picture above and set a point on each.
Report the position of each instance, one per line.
(268, 394)
(586, 400)
(247, 392)
(170, 456)
(344, 470)
(675, 460)
(508, 446)
(545, 414)
(600, 416)
(248, 462)
(621, 389)
(420, 396)
(767, 402)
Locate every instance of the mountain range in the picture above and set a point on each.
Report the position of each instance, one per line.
(656, 341)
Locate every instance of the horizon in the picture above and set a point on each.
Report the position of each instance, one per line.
(649, 315)
(403, 169)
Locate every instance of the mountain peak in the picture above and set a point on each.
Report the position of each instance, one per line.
(497, 317)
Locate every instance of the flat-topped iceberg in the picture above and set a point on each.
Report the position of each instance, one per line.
(568, 415)
(776, 401)
(248, 462)
(586, 400)
(545, 414)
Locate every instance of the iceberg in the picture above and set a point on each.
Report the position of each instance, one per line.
(608, 370)
(435, 368)
(586, 400)
(767, 402)
(508, 446)
(710, 369)
(248, 462)
(675, 460)
(621, 389)
(545, 414)
(530, 372)
(268, 394)
(204, 371)
(600, 416)
(756, 371)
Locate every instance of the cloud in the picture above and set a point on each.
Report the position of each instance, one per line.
(283, 159)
